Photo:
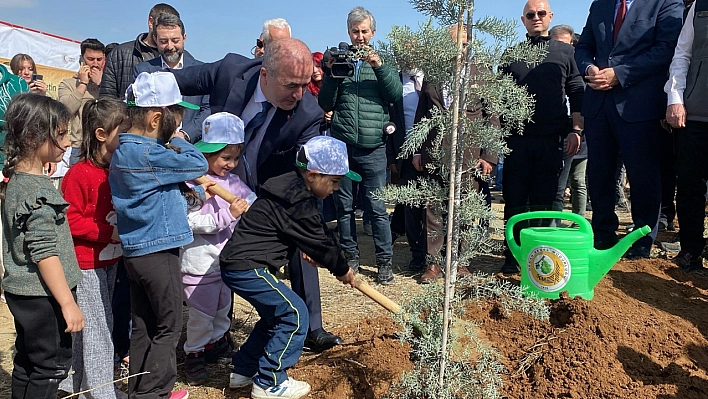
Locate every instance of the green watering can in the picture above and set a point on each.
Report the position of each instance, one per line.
(557, 259)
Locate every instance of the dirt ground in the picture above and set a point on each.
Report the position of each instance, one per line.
(644, 335)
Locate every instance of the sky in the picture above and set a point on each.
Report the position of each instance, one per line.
(217, 27)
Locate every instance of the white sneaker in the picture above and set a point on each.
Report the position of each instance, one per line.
(290, 389)
(239, 381)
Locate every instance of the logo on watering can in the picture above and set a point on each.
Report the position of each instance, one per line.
(548, 268)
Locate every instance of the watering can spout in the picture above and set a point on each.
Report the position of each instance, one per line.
(601, 261)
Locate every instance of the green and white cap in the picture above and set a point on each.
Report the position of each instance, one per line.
(218, 131)
(157, 89)
(328, 156)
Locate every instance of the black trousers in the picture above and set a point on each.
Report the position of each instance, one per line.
(43, 355)
(608, 134)
(692, 171)
(156, 302)
(304, 280)
(668, 174)
(530, 176)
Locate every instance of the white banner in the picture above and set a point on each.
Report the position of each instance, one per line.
(44, 48)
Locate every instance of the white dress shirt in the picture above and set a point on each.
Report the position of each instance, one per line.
(681, 61)
(253, 144)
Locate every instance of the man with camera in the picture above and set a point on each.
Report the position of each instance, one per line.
(359, 88)
(82, 88)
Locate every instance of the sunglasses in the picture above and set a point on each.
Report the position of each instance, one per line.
(259, 43)
(541, 14)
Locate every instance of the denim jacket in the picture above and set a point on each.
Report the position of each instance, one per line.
(151, 210)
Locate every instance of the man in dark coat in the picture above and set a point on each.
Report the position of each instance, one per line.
(624, 53)
(118, 74)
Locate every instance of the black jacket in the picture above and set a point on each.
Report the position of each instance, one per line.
(118, 74)
(550, 82)
(283, 218)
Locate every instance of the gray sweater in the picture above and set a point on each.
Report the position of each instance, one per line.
(35, 228)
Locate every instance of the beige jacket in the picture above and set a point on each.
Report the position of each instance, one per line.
(70, 96)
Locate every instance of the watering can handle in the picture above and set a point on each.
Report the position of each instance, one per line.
(583, 224)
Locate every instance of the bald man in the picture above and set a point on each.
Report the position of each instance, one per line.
(531, 169)
(270, 95)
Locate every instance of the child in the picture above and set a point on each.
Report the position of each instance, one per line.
(208, 299)
(285, 217)
(41, 271)
(92, 220)
(145, 178)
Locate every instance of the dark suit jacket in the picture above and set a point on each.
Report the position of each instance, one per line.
(640, 57)
(231, 83)
(192, 120)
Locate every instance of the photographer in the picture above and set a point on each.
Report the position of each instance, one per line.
(360, 102)
(82, 88)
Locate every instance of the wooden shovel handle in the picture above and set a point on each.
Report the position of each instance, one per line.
(377, 297)
(217, 189)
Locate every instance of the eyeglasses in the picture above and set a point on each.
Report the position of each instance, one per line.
(532, 14)
(259, 44)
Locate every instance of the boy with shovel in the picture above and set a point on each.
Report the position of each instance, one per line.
(284, 217)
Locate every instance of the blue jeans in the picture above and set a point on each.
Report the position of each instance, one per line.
(276, 342)
(370, 163)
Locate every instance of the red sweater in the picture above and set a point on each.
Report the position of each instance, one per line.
(90, 214)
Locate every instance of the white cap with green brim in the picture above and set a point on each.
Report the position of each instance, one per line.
(328, 156)
(218, 131)
(157, 89)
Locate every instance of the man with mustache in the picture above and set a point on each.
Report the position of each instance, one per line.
(169, 36)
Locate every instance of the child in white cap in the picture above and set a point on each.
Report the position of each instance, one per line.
(147, 184)
(208, 299)
(284, 218)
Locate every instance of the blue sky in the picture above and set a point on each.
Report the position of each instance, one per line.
(217, 27)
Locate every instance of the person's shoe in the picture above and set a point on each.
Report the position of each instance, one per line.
(663, 222)
(673, 247)
(195, 368)
(359, 213)
(462, 271)
(510, 266)
(670, 226)
(367, 229)
(218, 352)
(181, 394)
(239, 380)
(288, 389)
(352, 261)
(605, 244)
(385, 273)
(416, 266)
(636, 253)
(432, 273)
(688, 262)
(321, 340)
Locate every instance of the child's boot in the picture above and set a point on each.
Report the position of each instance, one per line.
(218, 352)
(195, 368)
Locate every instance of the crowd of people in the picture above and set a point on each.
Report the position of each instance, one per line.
(110, 220)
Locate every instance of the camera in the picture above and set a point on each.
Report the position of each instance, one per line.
(343, 66)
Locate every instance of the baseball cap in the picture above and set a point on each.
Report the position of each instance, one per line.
(158, 89)
(328, 156)
(218, 131)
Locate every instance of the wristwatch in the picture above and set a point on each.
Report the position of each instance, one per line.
(580, 132)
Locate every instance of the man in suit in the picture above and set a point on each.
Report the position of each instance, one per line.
(624, 54)
(169, 35)
(270, 95)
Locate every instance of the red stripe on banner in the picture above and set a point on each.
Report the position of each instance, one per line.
(40, 32)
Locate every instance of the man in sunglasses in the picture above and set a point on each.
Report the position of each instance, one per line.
(531, 169)
(624, 54)
(273, 29)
